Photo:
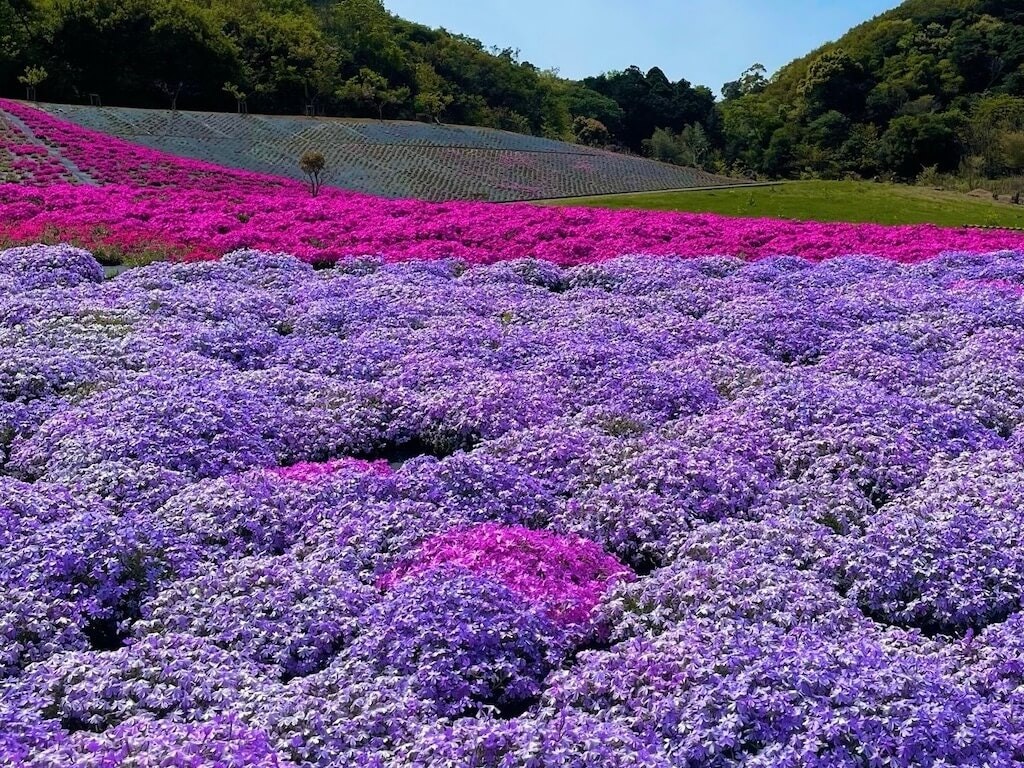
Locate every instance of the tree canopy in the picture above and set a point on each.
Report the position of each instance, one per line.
(929, 85)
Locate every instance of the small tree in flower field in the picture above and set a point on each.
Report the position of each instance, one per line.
(312, 164)
(239, 96)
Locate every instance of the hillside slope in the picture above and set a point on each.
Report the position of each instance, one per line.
(393, 158)
(126, 202)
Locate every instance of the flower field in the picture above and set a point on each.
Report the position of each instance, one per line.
(396, 159)
(679, 512)
(119, 199)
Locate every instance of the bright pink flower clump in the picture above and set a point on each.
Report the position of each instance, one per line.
(564, 575)
(310, 472)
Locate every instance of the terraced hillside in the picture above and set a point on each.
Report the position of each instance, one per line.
(393, 159)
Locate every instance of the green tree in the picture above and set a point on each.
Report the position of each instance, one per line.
(663, 146)
(992, 119)
(285, 62)
(587, 103)
(753, 80)
(690, 147)
(834, 81)
(372, 90)
(748, 125)
(555, 118)
(432, 96)
(32, 78)
(915, 142)
(781, 158)
(238, 95)
(696, 145)
(650, 101)
(590, 132)
(19, 21)
(366, 37)
(148, 47)
(1012, 146)
(860, 152)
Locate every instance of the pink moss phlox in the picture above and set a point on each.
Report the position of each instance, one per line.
(146, 199)
(565, 575)
(309, 472)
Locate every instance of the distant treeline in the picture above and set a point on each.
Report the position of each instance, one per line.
(932, 86)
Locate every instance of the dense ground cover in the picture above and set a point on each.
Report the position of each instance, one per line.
(677, 512)
(145, 201)
(852, 201)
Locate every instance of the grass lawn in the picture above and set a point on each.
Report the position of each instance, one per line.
(857, 201)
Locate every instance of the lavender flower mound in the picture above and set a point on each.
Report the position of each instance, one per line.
(986, 379)
(43, 266)
(69, 573)
(162, 676)
(154, 420)
(563, 740)
(238, 515)
(145, 743)
(278, 611)
(763, 593)
(466, 641)
(949, 556)
(739, 693)
(347, 714)
(681, 513)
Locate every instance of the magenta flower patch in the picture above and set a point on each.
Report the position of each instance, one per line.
(564, 575)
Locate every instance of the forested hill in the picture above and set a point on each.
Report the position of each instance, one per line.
(333, 57)
(930, 83)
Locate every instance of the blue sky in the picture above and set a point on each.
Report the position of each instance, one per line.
(706, 41)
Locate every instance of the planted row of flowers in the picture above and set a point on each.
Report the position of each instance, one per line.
(678, 512)
(24, 162)
(150, 200)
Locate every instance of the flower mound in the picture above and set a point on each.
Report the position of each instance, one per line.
(465, 640)
(950, 557)
(564, 575)
(277, 611)
(224, 741)
(41, 266)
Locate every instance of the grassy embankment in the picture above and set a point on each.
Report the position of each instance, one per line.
(854, 201)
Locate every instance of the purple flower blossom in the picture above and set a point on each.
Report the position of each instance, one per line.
(293, 614)
(43, 266)
(465, 641)
(253, 513)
